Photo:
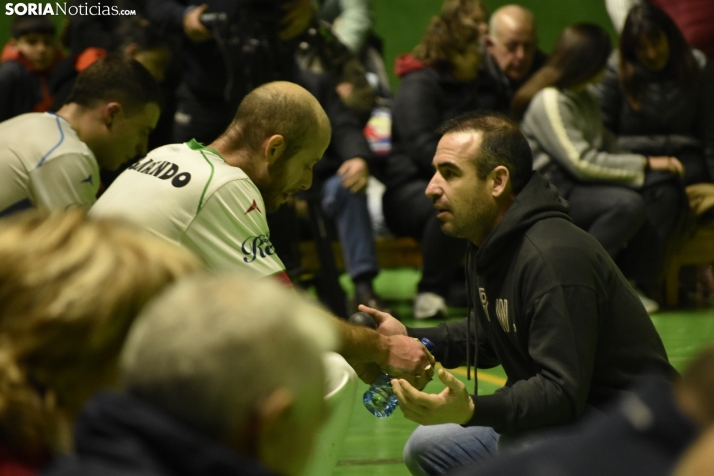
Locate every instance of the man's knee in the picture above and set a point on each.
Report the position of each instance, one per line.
(632, 206)
(435, 450)
(420, 443)
(335, 197)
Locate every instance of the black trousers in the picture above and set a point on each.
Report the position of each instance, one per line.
(635, 226)
(200, 118)
(408, 212)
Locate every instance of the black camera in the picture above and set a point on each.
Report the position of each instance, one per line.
(248, 39)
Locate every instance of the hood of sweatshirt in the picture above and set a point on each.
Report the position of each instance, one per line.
(407, 63)
(538, 200)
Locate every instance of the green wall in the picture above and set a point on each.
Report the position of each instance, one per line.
(401, 23)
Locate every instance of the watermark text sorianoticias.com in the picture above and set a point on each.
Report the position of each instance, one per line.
(64, 9)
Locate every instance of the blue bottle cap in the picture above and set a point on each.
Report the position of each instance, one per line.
(428, 344)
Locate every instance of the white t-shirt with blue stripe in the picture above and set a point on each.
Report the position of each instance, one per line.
(44, 164)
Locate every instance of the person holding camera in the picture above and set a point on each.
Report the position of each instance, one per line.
(240, 46)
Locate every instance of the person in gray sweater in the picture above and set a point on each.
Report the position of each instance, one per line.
(629, 202)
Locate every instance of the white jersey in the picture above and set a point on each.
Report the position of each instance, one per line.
(187, 194)
(43, 164)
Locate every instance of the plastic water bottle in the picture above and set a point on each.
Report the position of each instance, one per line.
(379, 399)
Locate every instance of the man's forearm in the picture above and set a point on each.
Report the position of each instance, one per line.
(361, 344)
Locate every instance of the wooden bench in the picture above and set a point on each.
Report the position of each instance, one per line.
(697, 251)
(391, 253)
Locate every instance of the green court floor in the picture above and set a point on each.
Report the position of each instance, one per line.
(374, 446)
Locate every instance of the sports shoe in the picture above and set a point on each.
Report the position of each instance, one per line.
(429, 305)
(650, 305)
(369, 299)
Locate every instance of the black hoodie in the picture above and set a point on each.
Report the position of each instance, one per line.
(121, 435)
(555, 311)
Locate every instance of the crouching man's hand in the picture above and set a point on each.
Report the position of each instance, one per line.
(453, 405)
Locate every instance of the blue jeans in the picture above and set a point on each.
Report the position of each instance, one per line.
(434, 450)
(354, 226)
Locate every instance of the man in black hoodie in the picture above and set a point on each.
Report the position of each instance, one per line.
(546, 302)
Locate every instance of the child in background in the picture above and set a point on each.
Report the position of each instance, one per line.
(27, 60)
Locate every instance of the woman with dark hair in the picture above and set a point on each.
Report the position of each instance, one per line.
(440, 81)
(657, 95)
(629, 202)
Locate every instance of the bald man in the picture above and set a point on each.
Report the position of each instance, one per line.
(213, 199)
(512, 45)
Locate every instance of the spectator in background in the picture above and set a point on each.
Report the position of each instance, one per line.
(440, 80)
(222, 63)
(134, 38)
(351, 21)
(695, 19)
(341, 182)
(657, 95)
(27, 62)
(628, 201)
(234, 386)
(512, 46)
(52, 161)
(70, 288)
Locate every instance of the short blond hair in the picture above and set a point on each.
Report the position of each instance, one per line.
(70, 287)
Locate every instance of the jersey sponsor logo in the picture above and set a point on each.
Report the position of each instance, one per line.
(484, 302)
(163, 170)
(89, 180)
(254, 206)
(255, 247)
(502, 313)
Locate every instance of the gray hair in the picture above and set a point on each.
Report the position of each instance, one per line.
(209, 349)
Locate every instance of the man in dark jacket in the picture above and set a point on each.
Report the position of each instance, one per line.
(220, 393)
(341, 180)
(547, 303)
(512, 45)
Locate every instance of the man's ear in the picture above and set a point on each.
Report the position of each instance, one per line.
(273, 414)
(501, 178)
(488, 40)
(262, 424)
(273, 148)
(110, 111)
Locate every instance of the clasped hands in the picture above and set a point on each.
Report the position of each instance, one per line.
(452, 405)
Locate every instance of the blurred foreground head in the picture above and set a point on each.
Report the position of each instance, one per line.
(70, 287)
(239, 360)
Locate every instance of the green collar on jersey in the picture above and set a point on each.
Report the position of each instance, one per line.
(193, 144)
